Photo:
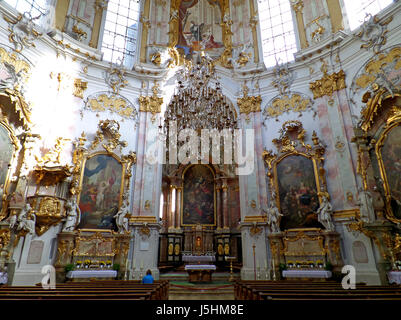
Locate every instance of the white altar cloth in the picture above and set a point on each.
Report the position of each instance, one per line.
(92, 274)
(192, 258)
(394, 277)
(200, 267)
(306, 274)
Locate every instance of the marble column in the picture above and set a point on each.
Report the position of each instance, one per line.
(225, 205)
(218, 207)
(178, 207)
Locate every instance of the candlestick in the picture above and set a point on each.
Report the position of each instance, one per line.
(141, 264)
(133, 264)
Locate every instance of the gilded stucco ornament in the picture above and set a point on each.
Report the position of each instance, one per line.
(22, 31)
(115, 77)
(373, 32)
(114, 103)
(286, 101)
(152, 103)
(248, 104)
(79, 88)
(378, 79)
(329, 84)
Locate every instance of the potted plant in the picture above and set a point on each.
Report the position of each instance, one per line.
(87, 263)
(328, 266)
(108, 263)
(78, 264)
(320, 264)
(281, 268)
(290, 264)
(311, 264)
(102, 264)
(68, 267)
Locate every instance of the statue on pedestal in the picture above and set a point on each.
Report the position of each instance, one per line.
(24, 223)
(324, 214)
(273, 217)
(121, 218)
(73, 215)
(365, 202)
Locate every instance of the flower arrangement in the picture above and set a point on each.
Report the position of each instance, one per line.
(320, 263)
(78, 263)
(102, 264)
(398, 264)
(108, 263)
(290, 263)
(87, 263)
(310, 263)
(298, 264)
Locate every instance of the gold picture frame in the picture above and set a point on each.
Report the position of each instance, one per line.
(393, 122)
(182, 197)
(292, 143)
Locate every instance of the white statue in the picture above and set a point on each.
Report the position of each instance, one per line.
(12, 221)
(324, 214)
(24, 223)
(121, 219)
(273, 217)
(73, 215)
(365, 202)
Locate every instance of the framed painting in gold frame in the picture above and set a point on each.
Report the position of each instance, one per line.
(296, 187)
(198, 201)
(388, 153)
(101, 190)
(8, 151)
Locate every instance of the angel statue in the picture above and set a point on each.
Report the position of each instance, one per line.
(73, 215)
(121, 218)
(24, 223)
(324, 214)
(273, 218)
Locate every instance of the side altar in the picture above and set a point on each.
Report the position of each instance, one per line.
(199, 267)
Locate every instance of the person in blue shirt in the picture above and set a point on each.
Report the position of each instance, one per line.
(148, 278)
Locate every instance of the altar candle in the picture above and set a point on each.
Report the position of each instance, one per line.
(126, 264)
(265, 263)
(257, 264)
(133, 263)
(141, 264)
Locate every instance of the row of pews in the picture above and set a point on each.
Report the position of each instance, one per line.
(90, 290)
(309, 290)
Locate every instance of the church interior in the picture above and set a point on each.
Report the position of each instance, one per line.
(242, 143)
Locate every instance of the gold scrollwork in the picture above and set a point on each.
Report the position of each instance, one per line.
(285, 103)
(170, 249)
(327, 85)
(95, 245)
(79, 88)
(112, 103)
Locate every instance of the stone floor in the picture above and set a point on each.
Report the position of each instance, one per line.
(180, 289)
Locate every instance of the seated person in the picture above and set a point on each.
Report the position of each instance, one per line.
(148, 279)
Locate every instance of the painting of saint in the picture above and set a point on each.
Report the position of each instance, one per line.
(198, 196)
(100, 194)
(6, 154)
(297, 193)
(391, 155)
(200, 27)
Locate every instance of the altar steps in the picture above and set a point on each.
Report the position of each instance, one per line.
(213, 291)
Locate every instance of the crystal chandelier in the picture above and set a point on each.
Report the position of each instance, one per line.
(199, 103)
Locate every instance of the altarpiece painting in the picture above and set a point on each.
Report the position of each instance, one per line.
(198, 196)
(101, 192)
(6, 155)
(297, 192)
(390, 162)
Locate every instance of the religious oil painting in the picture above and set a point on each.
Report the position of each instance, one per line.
(297, 193)
(100, 193)
(391, 156)
(200, 27)
(6, 154)
(198, 196)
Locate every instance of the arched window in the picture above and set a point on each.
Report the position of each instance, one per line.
(358, 9)
(121, 31)
(277, 31)
(34, 7)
